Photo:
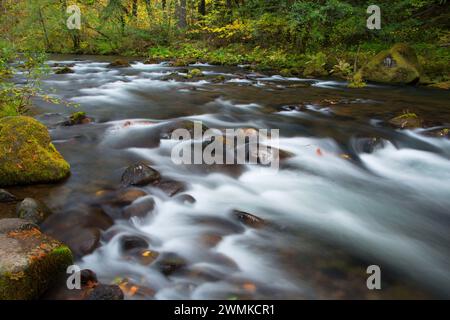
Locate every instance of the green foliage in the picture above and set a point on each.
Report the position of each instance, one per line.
(269, 34)
(16, 99)
(342, 68)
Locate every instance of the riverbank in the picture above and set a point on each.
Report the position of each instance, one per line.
(329, 62)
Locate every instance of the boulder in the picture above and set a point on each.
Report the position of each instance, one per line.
(29, 260)
(398, 65)
(194, 73)
(64, 70)
(82, 241)
(33, 210)
(27, 155)
(140, 174)
(119, 63)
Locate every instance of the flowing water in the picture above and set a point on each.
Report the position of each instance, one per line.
(355, 192)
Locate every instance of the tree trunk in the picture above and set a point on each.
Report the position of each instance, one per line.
(134, 10)
(44, 28)
(182, 22)
(202, 7)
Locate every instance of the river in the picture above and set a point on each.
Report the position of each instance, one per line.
(355, 191)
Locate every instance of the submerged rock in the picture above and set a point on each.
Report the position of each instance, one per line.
(185, 199)
(170, 263)
(140, 208)
(169, 128)
(29, 260)
(82, 241)
(140, 174)
(396, 65)
(27, 155)
(128, 196)
(33, 210)
(407, 121)
(119, 63)
(5, 196)
(171, 187)
(131, 242)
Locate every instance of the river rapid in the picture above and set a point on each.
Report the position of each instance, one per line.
(354, 191)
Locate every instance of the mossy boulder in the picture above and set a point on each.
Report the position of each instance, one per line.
(398, 65)
(29, 260)
(27, 155)
(194, 73)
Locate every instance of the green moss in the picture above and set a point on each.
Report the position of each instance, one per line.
(396, 65)
(407, 115)
(194, 73)
(27, 155)
(407, 120)
(37, 277)
(77, 117)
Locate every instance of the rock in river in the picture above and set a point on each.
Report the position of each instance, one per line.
(29, 260)
(5, 196)
(64, 70)
(27, 155)
(33, 210)
(119, 63)
(139, 174)
(249, 220)
(105, 292)
(407, 120)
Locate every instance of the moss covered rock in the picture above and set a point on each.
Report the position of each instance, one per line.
(194, 73)
(77, 118)
(29, 260)
(27, 155)
(407, 120)
(64, 70)
(397, 65)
